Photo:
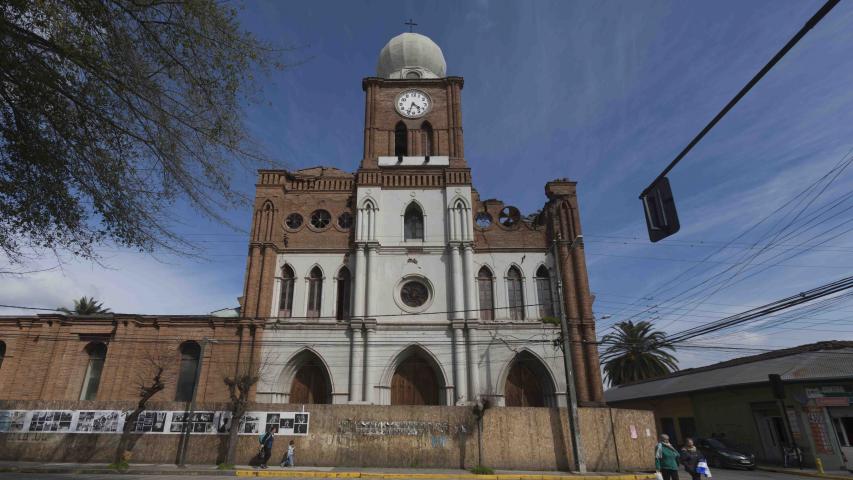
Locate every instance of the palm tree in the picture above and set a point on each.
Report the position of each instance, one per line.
(86, 306)
(636, 352)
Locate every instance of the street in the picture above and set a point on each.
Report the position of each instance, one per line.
(718, 475)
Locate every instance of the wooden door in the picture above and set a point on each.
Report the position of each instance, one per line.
(309, 386)
(523, 388)
(414, 383)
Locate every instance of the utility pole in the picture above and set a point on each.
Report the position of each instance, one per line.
(571, 395)
(188, 424)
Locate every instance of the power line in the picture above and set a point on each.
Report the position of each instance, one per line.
(788, 46)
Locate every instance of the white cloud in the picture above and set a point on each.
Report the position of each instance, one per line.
(132, 283)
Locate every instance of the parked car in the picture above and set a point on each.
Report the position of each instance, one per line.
(718, 454)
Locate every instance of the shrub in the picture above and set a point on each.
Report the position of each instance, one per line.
(482, 470)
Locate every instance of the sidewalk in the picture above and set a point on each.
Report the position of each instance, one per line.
(310, 472)
(809, 472)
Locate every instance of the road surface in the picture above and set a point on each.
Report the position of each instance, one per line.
(719, 474)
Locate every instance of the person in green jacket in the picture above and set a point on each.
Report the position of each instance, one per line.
(666, 459)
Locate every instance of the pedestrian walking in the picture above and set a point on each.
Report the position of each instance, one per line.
(291, 452)
(266, 441)
(666, 459)
(690, 457)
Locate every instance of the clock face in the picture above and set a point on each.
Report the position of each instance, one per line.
(413, 103)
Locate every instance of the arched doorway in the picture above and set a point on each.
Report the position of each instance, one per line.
(416, 382)
(310, 382)
(528, 383)
(310, 385)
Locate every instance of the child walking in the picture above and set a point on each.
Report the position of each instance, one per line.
(291, 451)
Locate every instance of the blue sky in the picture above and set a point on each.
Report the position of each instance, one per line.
(605, 93)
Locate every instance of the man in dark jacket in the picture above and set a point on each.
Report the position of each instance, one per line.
(690, 457)
(266, 441)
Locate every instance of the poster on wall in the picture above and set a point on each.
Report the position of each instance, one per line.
(197, 422)
(817, 425)
(51, 421)
(251, 423)
(99, 421)
(222, 420)
(12, 421)
(150, 422)
(288, 423)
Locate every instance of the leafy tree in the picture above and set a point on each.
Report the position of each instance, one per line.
(636, 352)
(111, 111)
(86, 306)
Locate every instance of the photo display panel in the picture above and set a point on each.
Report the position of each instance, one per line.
(150, 422)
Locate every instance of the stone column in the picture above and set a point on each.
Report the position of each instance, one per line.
(471, 307)
(473, 364)
(369, 331)
(355, 383)
(460, 382)
(458, 305)
(371, 282)
(360, 268)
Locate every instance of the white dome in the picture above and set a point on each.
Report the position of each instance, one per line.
(411, 55)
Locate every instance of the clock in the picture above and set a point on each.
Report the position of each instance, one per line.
(413, 103)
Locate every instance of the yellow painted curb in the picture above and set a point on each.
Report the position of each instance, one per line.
(806, 474)
(469, 476)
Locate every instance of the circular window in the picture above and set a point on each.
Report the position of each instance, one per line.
(509, 217)
(293, 221)
(484, 220)
(414, 293)
(320, 219)
(345, 220)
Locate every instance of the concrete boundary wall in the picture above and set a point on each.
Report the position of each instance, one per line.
(374, 436)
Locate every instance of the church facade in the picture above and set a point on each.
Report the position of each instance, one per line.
(398, 284)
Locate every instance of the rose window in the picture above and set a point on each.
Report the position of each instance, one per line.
(483, 220)
(345, 220)
(293, 221)
(414, 293)
(320, 219)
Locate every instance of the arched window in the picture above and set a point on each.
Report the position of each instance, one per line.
(413, 222)
(515, 294)
(401, 134)
(285, 304)
(344, 282)
(543, 291)
(315, 292)
(485, 285)
(2, 352)
(428, 139)
(97, 352)
(190, 355)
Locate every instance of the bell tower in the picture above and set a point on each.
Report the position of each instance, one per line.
(413, 115)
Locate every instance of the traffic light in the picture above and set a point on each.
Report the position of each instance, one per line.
(659, 207)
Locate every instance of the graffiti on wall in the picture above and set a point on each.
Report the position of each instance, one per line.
(402, 427)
